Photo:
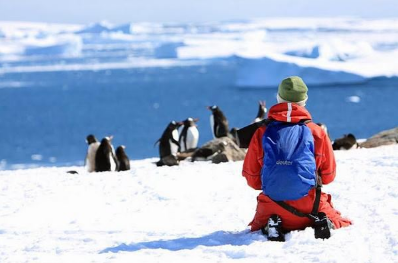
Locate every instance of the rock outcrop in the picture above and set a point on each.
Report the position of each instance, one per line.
(219, 150)
(387, 137)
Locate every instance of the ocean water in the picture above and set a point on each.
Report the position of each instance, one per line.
(45, 116)
(59, 83)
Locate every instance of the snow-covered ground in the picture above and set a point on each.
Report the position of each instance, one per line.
(196, 212)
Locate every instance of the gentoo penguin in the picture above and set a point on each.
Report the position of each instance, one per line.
(168, 144)
(189, 135)
(218, 122)
(105, 159)
(93, 145)
(347, 142)
(262, 109)
(122, 158)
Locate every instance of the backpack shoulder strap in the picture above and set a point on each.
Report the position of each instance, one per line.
(305, 121)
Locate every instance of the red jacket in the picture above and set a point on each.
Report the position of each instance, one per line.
(325, 164)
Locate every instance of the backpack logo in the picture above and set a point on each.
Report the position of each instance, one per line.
(289, 169)
(284, 162)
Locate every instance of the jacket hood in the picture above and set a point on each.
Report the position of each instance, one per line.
(288, 112)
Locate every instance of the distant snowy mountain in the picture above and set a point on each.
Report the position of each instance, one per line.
(195, 212)
(336, 50)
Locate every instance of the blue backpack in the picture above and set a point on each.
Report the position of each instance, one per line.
(289, 169)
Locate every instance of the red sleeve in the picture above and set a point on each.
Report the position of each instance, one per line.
(324, 156)
(327, 169)
(254, 160)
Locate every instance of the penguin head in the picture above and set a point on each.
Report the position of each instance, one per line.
(216, 111)
(120, 149)
(190, 122)
(109, 138)
(174, 125)
(213, 108)
(91, 139)
(107, 141)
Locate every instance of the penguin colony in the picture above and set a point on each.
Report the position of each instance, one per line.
(101, 156)
(180, 139)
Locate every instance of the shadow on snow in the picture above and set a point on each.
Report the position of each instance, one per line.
(219, 238)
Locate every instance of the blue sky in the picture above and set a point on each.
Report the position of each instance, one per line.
(121, 11)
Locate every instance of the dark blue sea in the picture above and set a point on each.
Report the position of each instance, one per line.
(46, 122)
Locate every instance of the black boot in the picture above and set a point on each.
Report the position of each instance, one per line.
(273, 230)
(322, 226)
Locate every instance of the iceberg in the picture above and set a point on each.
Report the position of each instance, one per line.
(334, 51)
(269, 71)
(167, 50)
(96, 28)
(125, 29)
(323, 50)
(61, 46)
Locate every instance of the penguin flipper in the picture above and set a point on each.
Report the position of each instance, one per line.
(215, 130)
(116, 161)
(175, 142)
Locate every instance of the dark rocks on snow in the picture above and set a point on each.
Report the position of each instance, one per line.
(169, 160)
(219, 150)
(387, 137)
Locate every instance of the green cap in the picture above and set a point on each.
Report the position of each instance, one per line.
(293, 89)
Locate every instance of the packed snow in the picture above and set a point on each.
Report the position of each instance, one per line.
(195, 212)
(334, 50)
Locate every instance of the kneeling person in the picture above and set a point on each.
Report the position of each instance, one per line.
(287, 206)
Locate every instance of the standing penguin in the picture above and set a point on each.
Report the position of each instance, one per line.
(122, 158)
(93, 145)
(218, 122)
(189, 135)
(262, 109)
(105, 159)
(168, 145)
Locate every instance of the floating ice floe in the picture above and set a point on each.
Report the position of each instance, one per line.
(269, 71)
(96, 28)
(67, 45)
(323, 51)
(167, 50)
(336, 51)
(354, 99)
(37, 157)
(14, 84)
